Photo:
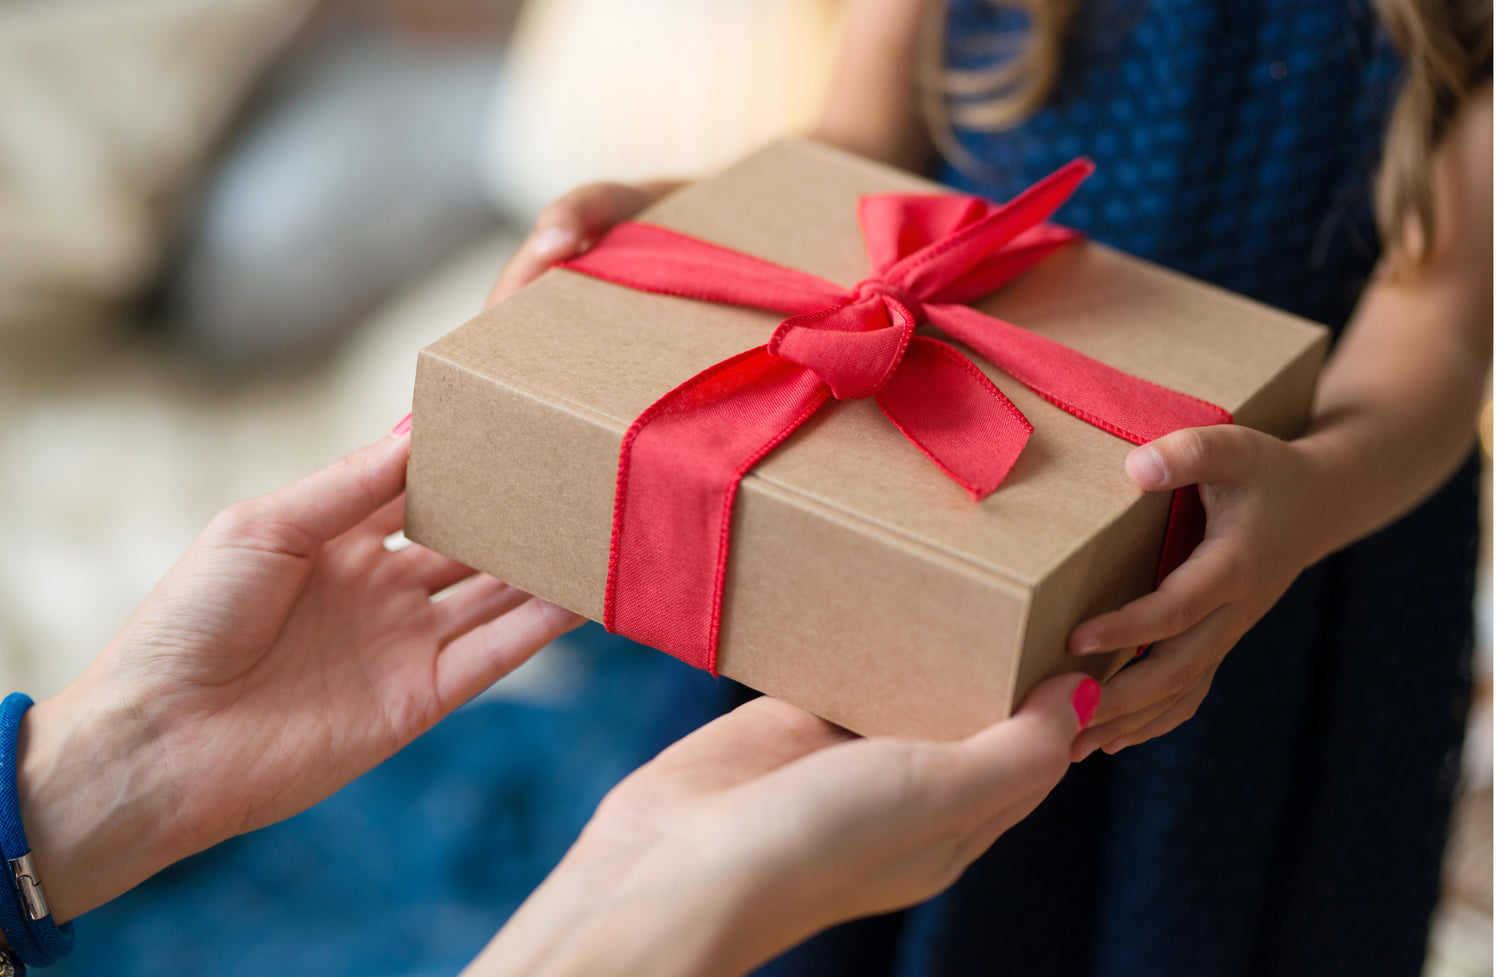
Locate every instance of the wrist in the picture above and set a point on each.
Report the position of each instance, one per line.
(95, 801)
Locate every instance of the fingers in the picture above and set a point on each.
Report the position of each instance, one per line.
(1169, 719)
(567, 227)
(387, 519)
(487, 652)
(1193, 456)
(299, 518)
(432, 572)
(481, 599)
(1147, 690)
(1206, 581)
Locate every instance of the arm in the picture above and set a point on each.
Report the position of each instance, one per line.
(1392, 419)
(873, 108)
(1394, 415)
(284, 655)
(874, 104)
(769, 825)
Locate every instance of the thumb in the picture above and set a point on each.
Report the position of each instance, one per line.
(1031, 749)
(1192, 456)
(331, 501)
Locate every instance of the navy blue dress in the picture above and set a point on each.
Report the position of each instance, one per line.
(1295, 825)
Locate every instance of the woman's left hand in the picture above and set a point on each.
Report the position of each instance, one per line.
(1262, 498)
(285, 654)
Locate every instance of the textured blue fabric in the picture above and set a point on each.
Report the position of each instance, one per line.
(1295, 825)
(39, 943)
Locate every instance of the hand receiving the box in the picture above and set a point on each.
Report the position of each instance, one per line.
(1261, 497)
(284, 655)
(768, 825)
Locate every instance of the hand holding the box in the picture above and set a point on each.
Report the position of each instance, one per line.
(570, 224)
(768, 825)
(284, 655)
(1263, 498)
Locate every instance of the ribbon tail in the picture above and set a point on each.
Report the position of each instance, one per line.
(1029, 248)
(930, 270)
(955, 415)
(681, 463)
(1124, 405)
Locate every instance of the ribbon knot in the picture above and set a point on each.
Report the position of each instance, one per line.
(875, 286)
(856, 346)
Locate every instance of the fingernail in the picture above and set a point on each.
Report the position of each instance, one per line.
(1116, 746)
(1146, 468)
(402, 427)
(1088, 645)
(553, 242)
(1086, 701)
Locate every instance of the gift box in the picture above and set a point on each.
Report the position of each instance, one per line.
(853, 577)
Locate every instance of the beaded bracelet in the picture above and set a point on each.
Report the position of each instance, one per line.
(24, 916)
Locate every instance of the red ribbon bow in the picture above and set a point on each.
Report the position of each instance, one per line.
(682, 460)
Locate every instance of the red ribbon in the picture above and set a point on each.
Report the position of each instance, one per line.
(682, 460)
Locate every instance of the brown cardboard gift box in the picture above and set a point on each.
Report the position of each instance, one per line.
(862, 584)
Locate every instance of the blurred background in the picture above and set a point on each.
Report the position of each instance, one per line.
(226, 228)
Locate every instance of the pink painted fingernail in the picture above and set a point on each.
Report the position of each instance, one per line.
(1086, 701)
(402, 427)
(1146, 467)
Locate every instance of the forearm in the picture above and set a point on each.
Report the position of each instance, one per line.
(1394, 416)
(1395, 411)
(873, 106)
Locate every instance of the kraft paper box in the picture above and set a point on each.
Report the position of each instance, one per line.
(862, 583)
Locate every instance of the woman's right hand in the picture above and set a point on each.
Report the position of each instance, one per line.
(569, 225)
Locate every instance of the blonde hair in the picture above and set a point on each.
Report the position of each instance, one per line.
(1446, 45)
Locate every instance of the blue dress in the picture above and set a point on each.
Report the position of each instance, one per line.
(1295, 825)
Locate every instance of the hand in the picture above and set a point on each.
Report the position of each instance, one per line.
(570, 225)
(285, 654)
(1262, 497)
(770, 824)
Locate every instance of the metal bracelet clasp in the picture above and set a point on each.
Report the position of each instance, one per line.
(23, 877)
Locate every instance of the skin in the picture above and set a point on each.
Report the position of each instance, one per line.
(285, 654)
(1393, 416)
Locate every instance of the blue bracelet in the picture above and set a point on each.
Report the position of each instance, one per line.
(24, 916)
